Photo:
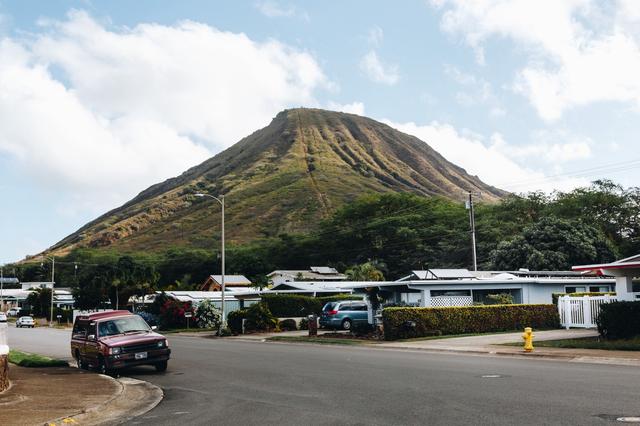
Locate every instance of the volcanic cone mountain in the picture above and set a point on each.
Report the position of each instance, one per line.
(285, 177)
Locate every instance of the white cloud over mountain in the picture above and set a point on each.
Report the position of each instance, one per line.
(84, 107)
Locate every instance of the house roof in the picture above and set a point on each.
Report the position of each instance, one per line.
(312, 286)
(231, 279)
(623, 267)
(310, 275)
(198, 296)
(445, 274)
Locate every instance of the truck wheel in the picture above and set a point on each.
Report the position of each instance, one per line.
(161, 366)
(102, 367)
(81, 364)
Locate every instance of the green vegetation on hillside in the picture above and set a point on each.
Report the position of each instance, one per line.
(393, 233)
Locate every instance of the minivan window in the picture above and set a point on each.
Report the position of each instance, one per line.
(345, 307)
(359, 307)
(329, 306)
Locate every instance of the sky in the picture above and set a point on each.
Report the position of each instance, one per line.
(101, 99)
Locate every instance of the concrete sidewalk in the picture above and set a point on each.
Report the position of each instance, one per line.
(70, 396)
(493, 344)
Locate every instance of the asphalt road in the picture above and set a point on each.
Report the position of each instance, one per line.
(213, 381)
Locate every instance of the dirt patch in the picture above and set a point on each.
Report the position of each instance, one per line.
(41, 394)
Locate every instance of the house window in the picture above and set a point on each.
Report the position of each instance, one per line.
(435, 293)
(599, 289)
(573, 289)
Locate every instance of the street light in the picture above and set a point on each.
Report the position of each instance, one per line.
(221, 201)
(53, 283)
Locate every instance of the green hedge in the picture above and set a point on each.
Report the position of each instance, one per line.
(293, 305)
(403, 323)
(619, 320)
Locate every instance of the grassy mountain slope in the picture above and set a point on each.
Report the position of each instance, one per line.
(282, 178)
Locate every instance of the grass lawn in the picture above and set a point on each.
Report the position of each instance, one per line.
(322, 340)
(24, 359)
(589, 343)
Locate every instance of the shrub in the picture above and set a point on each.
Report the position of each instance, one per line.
(401, 323)
(361, 329)
(234, 320)
(172, 314)
(288, 325)
(619, 320)
(207, 315)
(290, 305)
(304, 324)
(499, 299)
(260, 318)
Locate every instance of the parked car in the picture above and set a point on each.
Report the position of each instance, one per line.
(111, 341)
(25, 322)
(13, 312)
(343, 315)
(3, 317)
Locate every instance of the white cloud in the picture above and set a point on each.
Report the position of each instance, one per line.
(579, 51)
(352, 108)
(274, 9)
(377, 71)
(107, 113)
(476, 91)
(375, 36)
(492, 161)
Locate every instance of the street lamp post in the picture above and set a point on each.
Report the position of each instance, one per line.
(53, 284)
(221, 201)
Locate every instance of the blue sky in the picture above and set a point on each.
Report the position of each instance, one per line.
(100, 99)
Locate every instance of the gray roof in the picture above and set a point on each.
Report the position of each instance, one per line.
(231, 279)
(309, 275)
(443, 274)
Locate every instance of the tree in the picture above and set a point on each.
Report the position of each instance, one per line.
(40, 301)
(365, 272)
(553, 244)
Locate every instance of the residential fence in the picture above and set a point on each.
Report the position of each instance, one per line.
(581, 311)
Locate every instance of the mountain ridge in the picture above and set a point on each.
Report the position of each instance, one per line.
(284, 177)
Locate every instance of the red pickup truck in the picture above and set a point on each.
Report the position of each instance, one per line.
(113, 340)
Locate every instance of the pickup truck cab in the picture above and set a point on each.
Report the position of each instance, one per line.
(113, 340)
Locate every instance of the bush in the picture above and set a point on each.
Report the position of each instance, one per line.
(234, 320)
(288, 325)
(290, 305)
(172, 314)
(499, 299)
(361, 329)
(402, 323)
(619, 320)
(207, 315)
(304, 324)
(260, 318)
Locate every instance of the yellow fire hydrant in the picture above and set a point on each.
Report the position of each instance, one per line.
(528, 339)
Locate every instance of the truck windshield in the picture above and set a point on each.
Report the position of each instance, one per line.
(122, 326)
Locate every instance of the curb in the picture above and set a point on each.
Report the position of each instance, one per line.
(476, 352)
(134, 398)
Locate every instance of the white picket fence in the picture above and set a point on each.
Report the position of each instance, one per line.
(444, 301)
(581, 311)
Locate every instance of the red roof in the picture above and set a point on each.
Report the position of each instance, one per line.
(107, 314)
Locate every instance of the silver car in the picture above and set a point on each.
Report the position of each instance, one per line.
(3, 317)
(25, 322)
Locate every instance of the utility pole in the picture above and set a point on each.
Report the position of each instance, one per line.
(1, 288)
(472, 225)
(53, 284)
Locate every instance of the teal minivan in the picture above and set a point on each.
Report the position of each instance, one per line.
(344, 315)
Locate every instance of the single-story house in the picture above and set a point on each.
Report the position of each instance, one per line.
(214, 282)
(16, 298)
(465, 291)
(624, 271)
(315, 273)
